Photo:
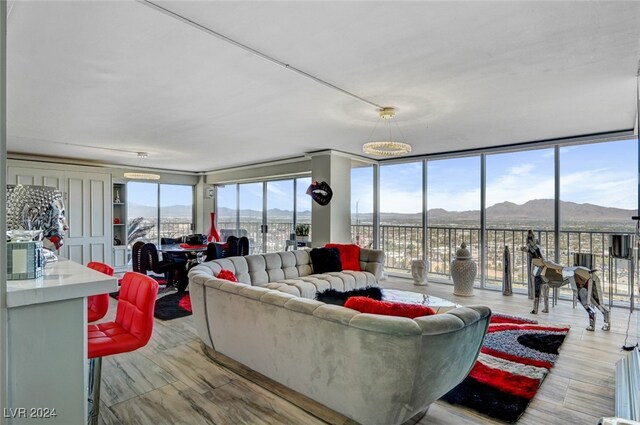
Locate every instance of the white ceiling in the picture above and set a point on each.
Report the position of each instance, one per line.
(126, 77)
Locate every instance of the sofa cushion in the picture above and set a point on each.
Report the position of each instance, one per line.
(349, 255)
(386, 308)
(325, 260)
(333, 296)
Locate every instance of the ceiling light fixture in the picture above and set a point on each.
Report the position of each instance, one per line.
(388, 147)
(142, 176)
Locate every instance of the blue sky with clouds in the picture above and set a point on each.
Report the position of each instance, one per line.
(599, 173)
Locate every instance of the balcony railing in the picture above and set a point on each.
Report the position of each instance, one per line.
(276, 236)
(403, 244)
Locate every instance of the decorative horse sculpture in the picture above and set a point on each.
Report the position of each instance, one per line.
(583, 281)
(38, 208)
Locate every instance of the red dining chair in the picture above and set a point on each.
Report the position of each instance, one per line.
(131, 330)
(98, 305)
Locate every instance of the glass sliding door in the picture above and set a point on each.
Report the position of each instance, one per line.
(520, 195)
(362, 206)
(142, 212)
(176, 210)
(598, 197)
(279, 214)
(227, 210)
(401, 214)
(251, 225)
(303, 203)
(453, 216)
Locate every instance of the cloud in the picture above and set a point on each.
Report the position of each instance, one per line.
(401, 201)
(603, 186)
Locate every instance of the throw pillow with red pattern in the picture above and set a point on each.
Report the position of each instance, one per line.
(349, 255)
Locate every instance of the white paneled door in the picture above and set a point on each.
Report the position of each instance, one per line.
(88, 209)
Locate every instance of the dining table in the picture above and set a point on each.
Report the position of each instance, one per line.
(182, 248)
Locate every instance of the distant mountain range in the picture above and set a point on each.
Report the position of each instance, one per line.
(176, 211)
(535, 210)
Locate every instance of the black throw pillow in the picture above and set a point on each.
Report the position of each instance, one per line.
(333, 296)
(325, 260)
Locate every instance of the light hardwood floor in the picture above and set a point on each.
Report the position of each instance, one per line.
(170, 381)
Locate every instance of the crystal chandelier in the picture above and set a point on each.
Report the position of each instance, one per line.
(388, 147)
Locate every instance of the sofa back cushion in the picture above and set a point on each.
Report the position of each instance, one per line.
(264, 268)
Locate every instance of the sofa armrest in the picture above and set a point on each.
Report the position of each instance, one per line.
(372, 261)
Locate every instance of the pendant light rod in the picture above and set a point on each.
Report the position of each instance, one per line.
(256, 52)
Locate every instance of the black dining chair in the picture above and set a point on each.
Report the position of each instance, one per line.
(170, 241)
(175, 273)
(243, 246)
(234, 247)
(136, 258)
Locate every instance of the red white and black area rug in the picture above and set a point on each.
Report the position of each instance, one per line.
(516, 356)
(173, 306)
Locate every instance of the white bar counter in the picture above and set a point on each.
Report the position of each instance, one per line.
(47, 319)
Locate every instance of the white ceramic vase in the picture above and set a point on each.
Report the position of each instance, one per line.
(463, 272)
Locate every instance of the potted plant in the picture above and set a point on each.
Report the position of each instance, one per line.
(302, 232)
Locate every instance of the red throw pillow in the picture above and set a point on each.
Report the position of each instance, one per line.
(349, 255)
(386, 308)
(227, 275)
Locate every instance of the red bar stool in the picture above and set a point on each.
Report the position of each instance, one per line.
(98, 305)
(131, 330)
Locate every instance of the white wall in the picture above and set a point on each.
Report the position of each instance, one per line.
(4, 387)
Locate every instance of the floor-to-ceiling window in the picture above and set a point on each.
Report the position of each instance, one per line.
(280, 199)
(142, 212)
(520, 196)
(453, 215)
(362, 205)
(227, 210)
(176, 210)
(571, 196)
(157, 210)
(598, 196)
(265, 211)
(250, 205)
(401, 214)
(303, 202)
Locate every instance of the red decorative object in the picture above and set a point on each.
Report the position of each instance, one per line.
(227, 275)
(386, 308)
(187, 246)
(116, 220)
(349, 255)
(214, 236)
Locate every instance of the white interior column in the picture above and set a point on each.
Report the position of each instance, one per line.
(332, 222)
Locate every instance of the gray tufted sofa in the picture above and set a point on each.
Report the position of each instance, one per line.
(373, 369)
(292, 272)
